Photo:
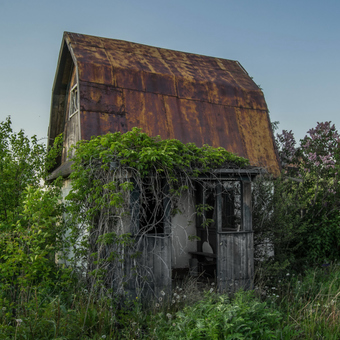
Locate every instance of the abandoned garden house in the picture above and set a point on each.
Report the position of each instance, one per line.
(105, 85)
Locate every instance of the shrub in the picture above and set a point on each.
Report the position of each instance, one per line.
(219, 317)
(297, 215)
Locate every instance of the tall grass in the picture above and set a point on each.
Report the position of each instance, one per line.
(311, 303)
(292, 307)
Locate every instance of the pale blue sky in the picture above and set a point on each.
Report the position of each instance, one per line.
(291, 48)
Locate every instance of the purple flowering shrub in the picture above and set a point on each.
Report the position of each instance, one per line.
(301, 216)
(315, 161)
(286, 146)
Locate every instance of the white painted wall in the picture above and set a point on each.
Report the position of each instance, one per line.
(183, 226)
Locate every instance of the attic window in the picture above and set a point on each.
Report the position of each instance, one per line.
(73, 101)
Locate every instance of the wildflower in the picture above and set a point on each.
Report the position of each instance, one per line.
(213, 283)
(173, 301)
(160, 299)
(19, 321)
(103, 336)
(157, 305)
(174, 324)
(211, 290)
(3, 308)
(162, 292)
(287, 274)
(184, 296)
(178, 297)
(169, 316)
(134, 323)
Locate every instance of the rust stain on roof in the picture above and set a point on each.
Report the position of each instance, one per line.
(173, 94)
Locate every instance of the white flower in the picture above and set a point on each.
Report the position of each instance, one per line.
(287, 274)
(213, 283)
(134, 323)
(19, 321)
(174, 324)
(184, 296)
(211, 290)
(3, 308)
(169, 316)
(157, 305)
(173, 301)
(103, 336)
(160, 299)
(162, 292)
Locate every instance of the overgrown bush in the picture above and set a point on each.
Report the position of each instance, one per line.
(31, 225)
(297, 216)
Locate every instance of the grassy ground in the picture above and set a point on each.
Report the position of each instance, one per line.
(290, 307)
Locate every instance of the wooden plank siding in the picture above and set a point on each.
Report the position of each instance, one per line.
(156, 264)
(247, 221)
(235, 265)
(149, 273)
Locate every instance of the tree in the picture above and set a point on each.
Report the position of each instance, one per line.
(21, 164)
(30, 211)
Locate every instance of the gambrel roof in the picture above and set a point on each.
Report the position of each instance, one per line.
(173, 94)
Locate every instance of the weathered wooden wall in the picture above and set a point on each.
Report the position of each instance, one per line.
(235, 265)
(71, 127)
(150, 272)
(156, 260)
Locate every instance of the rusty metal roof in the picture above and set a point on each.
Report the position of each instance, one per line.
(173, 94)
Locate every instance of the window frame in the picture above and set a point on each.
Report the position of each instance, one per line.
(74, 99)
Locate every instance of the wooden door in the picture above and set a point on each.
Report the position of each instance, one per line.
(235, 248)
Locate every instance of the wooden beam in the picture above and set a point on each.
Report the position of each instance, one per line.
(246, 206)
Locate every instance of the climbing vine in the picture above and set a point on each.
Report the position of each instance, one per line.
(123, 188)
